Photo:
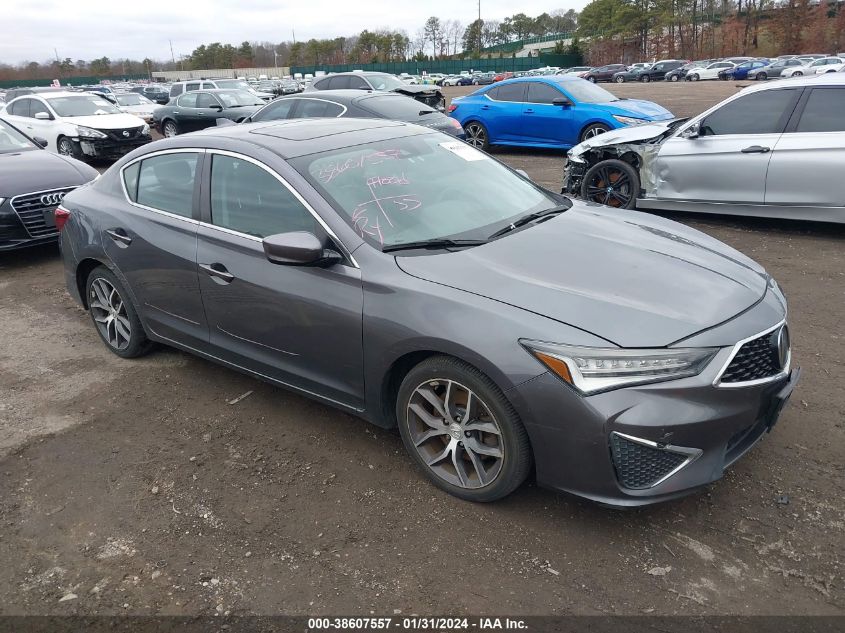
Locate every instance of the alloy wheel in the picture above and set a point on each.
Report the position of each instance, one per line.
(170, 129)
(109, 312)
(611, 187)
(593, 131)
(476, 136)
(620, 80)
(455, 433)
(65, 147)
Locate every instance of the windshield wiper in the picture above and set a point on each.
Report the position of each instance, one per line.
(434, 243)
(531, 217)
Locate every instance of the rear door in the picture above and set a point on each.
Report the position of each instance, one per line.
(278, 109)
(501, 111)
(807, 160)
(728, 161)
(544, 122)
(152, 239)
(298, 325)
(185, 112)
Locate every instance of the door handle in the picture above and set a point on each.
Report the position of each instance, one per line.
(485, 107)
(756, 149)
(219, 271)
(528, 111)
(119, 235)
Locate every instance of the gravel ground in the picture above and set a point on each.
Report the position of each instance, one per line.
(135, 487)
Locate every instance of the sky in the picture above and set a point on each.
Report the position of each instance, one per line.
(88, 29)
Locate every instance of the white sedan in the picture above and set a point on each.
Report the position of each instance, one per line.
(708, 72)
(826, 65)
(137, 104)
(78, 124)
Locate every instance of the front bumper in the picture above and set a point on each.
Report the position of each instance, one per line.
(573, 173)
(108, 148)
(702, 427)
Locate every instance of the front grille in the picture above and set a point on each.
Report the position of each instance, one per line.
(124, 135)
(756, 359)
(30, 208)
(639, 466)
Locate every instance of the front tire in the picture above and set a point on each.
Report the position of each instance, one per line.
(169, 129)
(592, 80)
(620, 80)
(477, 135)
(461, 430)
(593, 130)
(114, 316)
(66, 147)
(645, 79)
(694, 77)
(613, 182)
(673, 78)
(762, 76)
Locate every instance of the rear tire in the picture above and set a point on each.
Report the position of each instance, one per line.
(645, 79)
(612, 182)
(620, 80)
(114, 315)
(477, 135)
(462, 431)
(762, 76)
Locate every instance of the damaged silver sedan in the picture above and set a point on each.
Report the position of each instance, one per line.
(773, 150)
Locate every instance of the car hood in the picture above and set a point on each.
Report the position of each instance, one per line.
(633, 279)
(635, 108)
(629, 134)
(40, 170)
(106, 121)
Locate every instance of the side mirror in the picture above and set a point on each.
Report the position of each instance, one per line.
(562, 102)
(43, 116)
(523, 173)
(692, 132)
(217, 107)
(299, 248)
(41, 142)
(223, 122)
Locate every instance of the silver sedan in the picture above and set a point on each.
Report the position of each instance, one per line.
(772, 150)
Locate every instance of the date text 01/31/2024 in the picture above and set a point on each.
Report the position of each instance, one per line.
(416, 623)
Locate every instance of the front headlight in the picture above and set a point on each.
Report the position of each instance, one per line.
(593, 369)
(629, 120)
(87, 132)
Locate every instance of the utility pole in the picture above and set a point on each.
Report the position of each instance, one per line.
(293, 32)
(479, 28)
(172, 56)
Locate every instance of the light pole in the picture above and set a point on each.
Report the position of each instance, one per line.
(479, 29)
(276, 61)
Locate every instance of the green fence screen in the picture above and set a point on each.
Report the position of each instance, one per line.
(73, 81)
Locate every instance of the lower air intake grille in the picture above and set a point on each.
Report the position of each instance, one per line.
(639, 466)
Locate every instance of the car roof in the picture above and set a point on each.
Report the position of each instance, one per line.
(60, 94)
(297, 137)
(826, 79)
(549, 79)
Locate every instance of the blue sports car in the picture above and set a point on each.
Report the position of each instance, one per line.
(552, 111)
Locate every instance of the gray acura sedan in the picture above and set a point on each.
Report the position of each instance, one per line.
(406, 277)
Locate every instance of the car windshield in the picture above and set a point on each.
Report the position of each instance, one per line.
(11, 140)
(237, 98)
(233, 84)
(583, 91)
(424, 187)
(82, 105)
(132, 99)
(385, 82)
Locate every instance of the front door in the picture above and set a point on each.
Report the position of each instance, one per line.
(728, 161)
(545, 122)
(301, 326)
(153, 241)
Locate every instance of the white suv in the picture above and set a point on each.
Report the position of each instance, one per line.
(211, 84)
(78, 124)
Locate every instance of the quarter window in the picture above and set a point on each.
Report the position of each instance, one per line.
(824, 112)
(764, 112)
(130, 179)
(166, 183)
(248, 199)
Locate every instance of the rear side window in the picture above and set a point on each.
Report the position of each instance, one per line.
(206, 100)
(279, 109)
(509, 92)
(824, 112)
(166, 183)
(248, 199)
(318, 109)
(338, 82)
(20, 107)
(763, 112)
(192, 86)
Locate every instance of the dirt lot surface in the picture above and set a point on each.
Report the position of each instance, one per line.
(135, 487)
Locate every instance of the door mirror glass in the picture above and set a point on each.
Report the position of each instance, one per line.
(562, 101)
(42, 116)
(298, 248)
(41, 142)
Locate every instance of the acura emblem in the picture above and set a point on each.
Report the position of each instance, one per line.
(52, 199)
(126, 133)
(783, 346)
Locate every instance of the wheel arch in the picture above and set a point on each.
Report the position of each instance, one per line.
(83, 269)
(593, 121)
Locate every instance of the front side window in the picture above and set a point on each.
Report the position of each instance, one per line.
(542, 93)
(206, 100)
(358, 83)
(278, 109)
(249, 199)
(420, 188)
(13, 141)
(586, 92)
(763, 112)
(385, 82)
(238, 98)
(36, 106)
(824, 111)
(166, 183)
(338, 82)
